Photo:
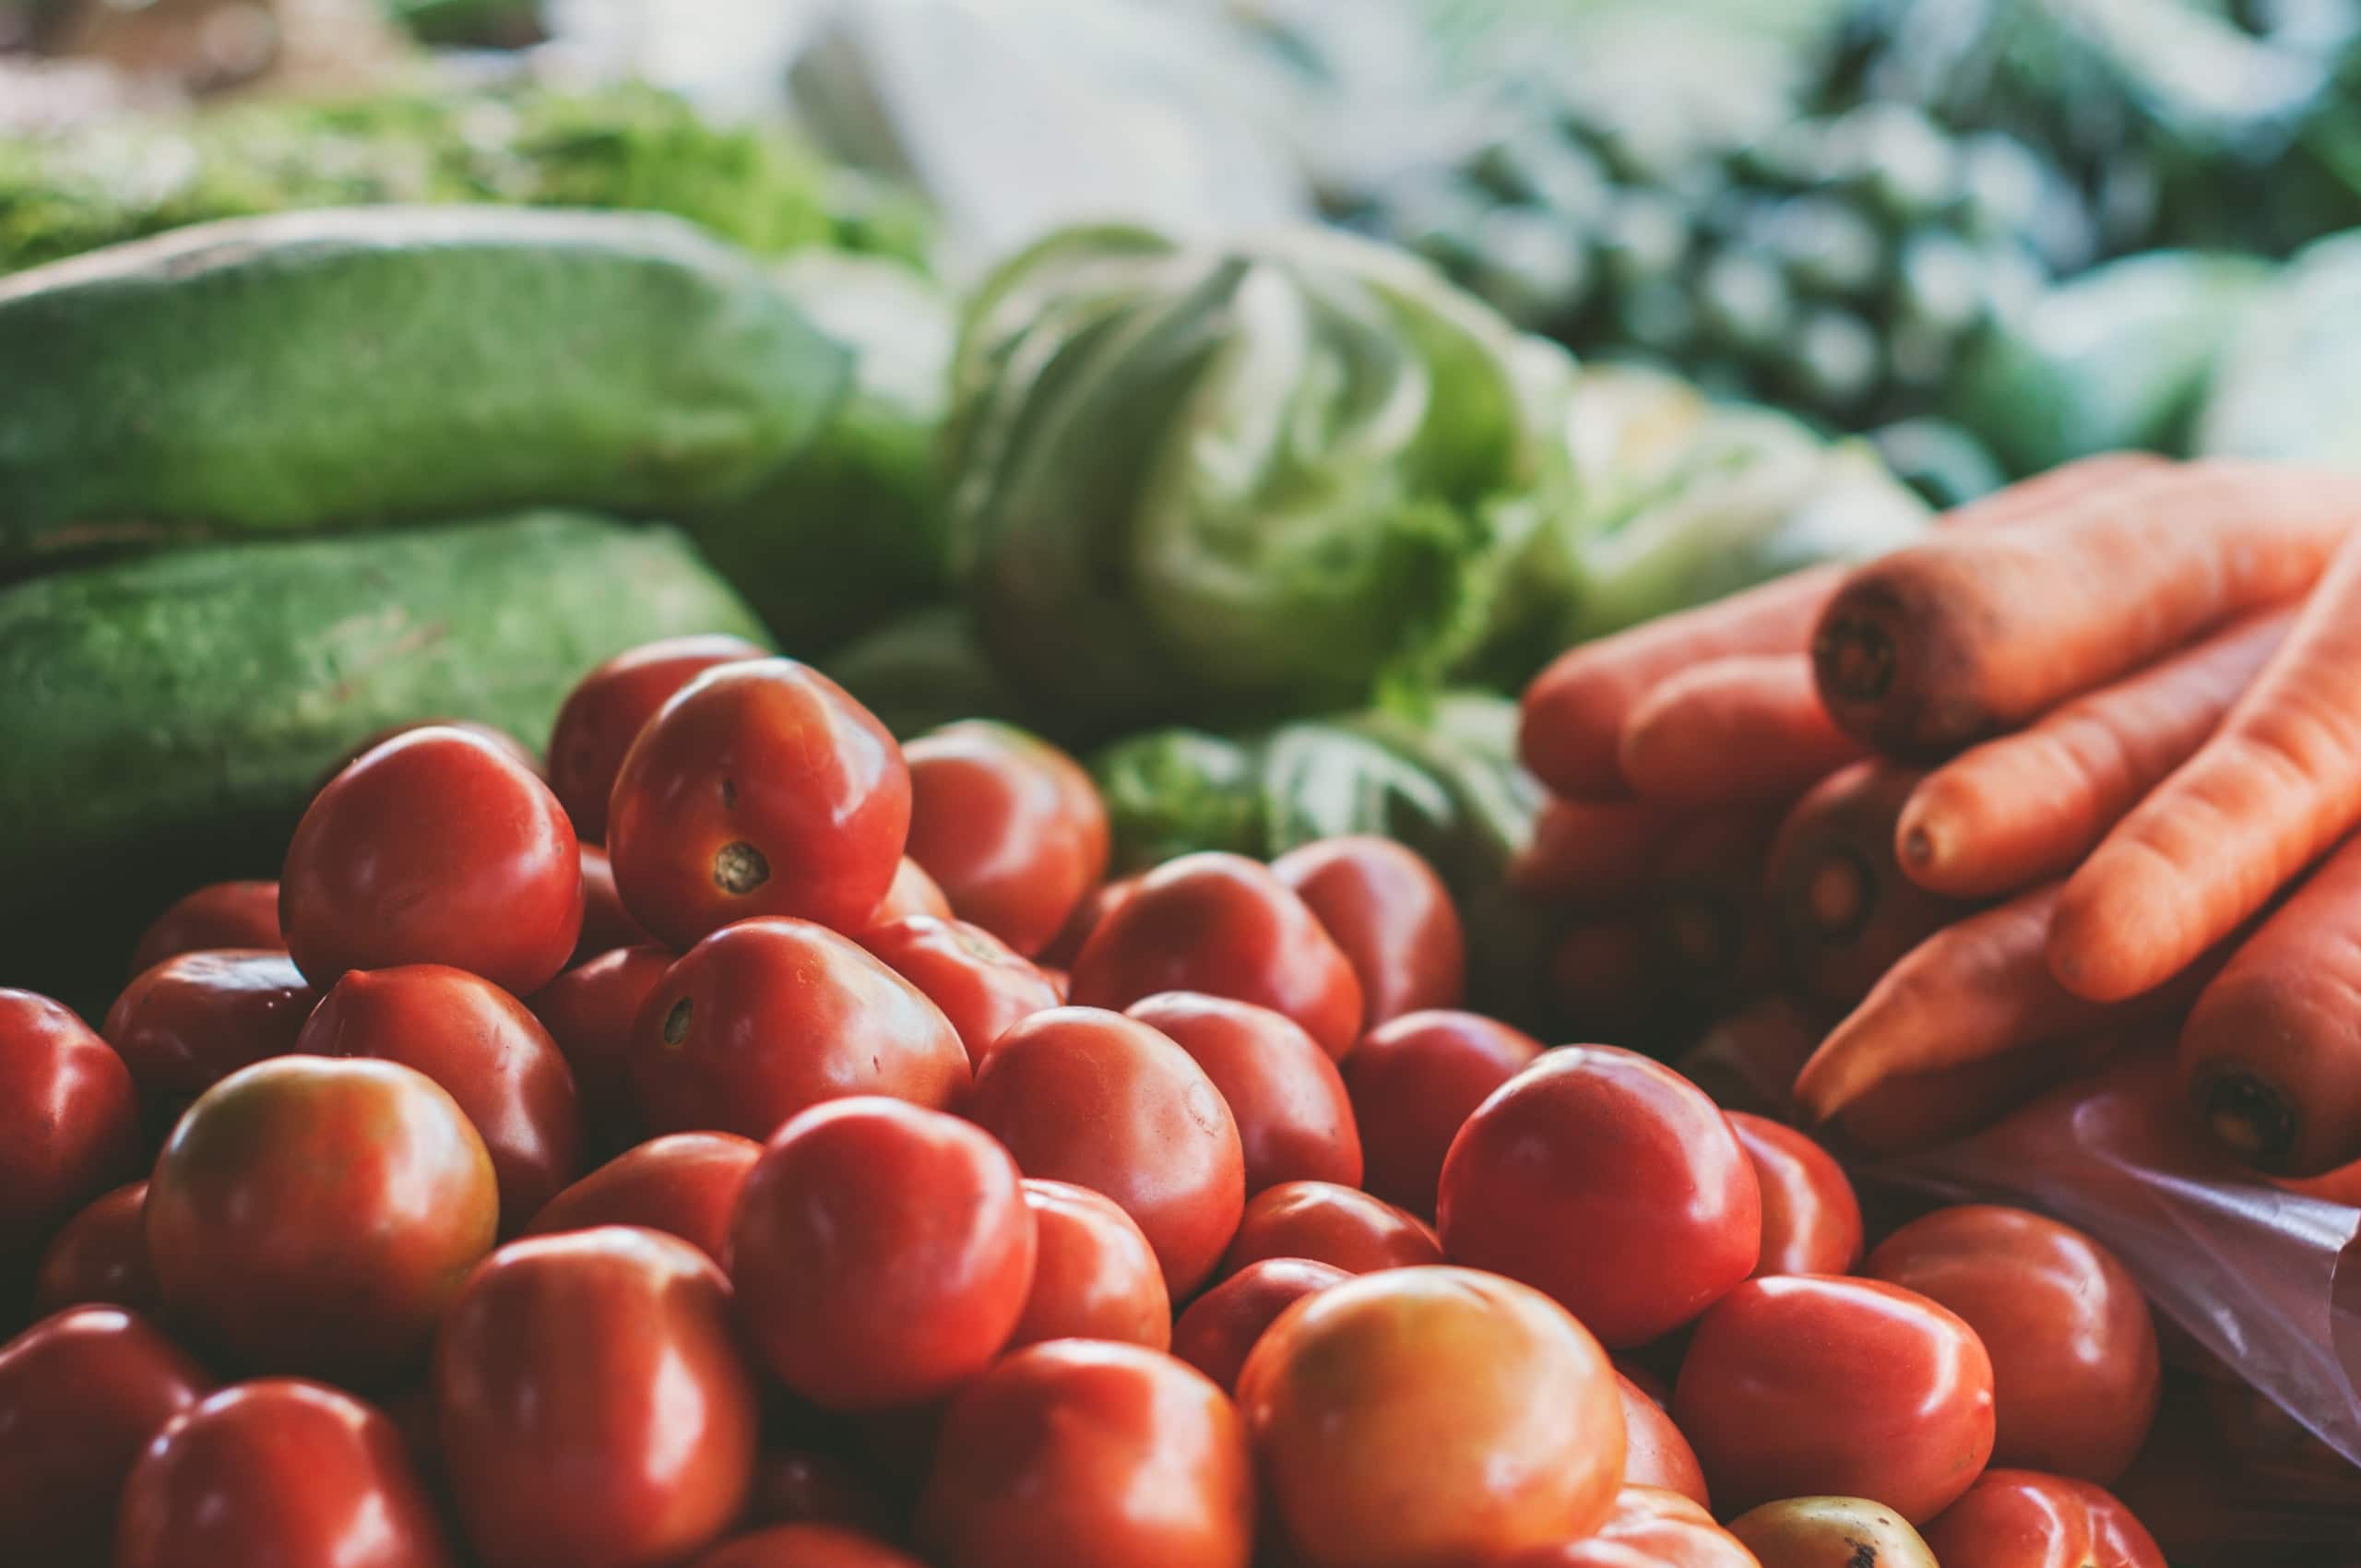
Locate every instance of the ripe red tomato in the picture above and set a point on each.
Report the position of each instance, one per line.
(804, 1486)
(978, 980)
(1609, 1181)
(589, 1011)
(684, 1185)
(69, 1123)
(1294, 1120)
(101, 1257)
(767, 1017)
(1654, 1454)
(315, 1216)
(1425, 1418)
(1095, 906)
(2025, 1519)
(1650, 1528)
(195, 1018)
(436, 848)
(1009, 826)
(806, 1545)
(760, 789)
(1414, 1081)
(1342, 1227)
(2073, 1345)
(595, 1407)
(1392, 916)
(1830, 1532)
(278, 1470)
(81, 1393)
(1090, 1454)
(1221, 1327)
(1803, 1385)
(1812, 1221)
(491, 735)
(607, 709)
(222, 914)
(1095, 1275)
(913, 893)
(606, 924)
(883, 1253)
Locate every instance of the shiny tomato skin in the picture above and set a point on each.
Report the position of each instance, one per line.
(589, 1011)
(1094, 1277)
(220, 914)
(1651, 1527)
(1429, 1418)
(1220, 1328)
(69, 1121)
(685, 1184)
(1342, 1227)
(1609, 1181)
(607, 709)
(806, 1486)
(1085, 1096)
(768, 1017)
(1830, 1532)
(978, 980)
(81, 1394)
(195, 1018)
(912, 893)
(2073, 1345)
(1295, 1123)
(1090, 1454)
(101, 1258)
(1391, 915)
(606, 924)
(1222, 925)
(1655, 1452)
(759, 788)
(1414, 1082)
(807, 1546)
(315, 1216)
(490, 735)
(1009, 826)
(595, 1407)
(2024, 1519)
(1803, 1385)
(1812, 1221)
(882, 1254)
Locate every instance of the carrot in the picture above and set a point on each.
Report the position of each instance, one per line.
(1745, 728)
(1904, 1115)
(1953, 639)
(1594, 853)
(1707, 922)
(1748, 1059)
(2276, 785)
(2026, 807)
(1604, 976)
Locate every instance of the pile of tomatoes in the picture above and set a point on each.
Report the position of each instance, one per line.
(755, 1144)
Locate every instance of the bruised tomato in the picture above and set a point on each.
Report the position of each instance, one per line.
(1327, 1223)
(2025, 1519)
(685, 1184)
(1652, 1525)
(980, 985)
(191, 1021)
(807, 1546)
(1392, 916)
(1095, 1275)
(101, 1257)
(69, 1123)
(1221, 1327)
(589, 1011)
(1654, 1454)
(607, 709)
(1009, 826)
(606, 924)
(1812, 1221)
(1832, 1532)
(1294, 1120)
(221, 914)
(1414, 1082)
(912, 893)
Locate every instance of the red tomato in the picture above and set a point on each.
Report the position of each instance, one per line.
(1221, 1327)
(608, 708)
(491, 735)
(595, 1407)
(2025, 1519)
(606, 924)
(437, 848)
(191, 1021)
(310, 1215)
(1392, 916)
(1651, 1527)
(589, 1011)
(223, 914)
(1654, 1454)
(760, 789)
(1611, 1182)
(767, 1017)
(685, 1184)
(1294, 1120)
(803, 1486)
(2073, 1347)
(1095, 1277)
(1095, 906)
(1342, 1227)
(1090, 1454)
(1105, 1102)
(1414, 1081)
(278, 1471)
(69, 1123)
(1010, 826)
(1812, 1221)
(913, 893)
(807, 1546)
(980, 985)
(1429, 1418)
(81, 1393)
(883, 1253)
(487, 1052)
(1802, 1386)
(101, 1257)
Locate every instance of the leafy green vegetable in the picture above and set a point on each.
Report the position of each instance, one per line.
(2289, 387)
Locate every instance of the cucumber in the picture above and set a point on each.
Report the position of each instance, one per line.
(316, 370)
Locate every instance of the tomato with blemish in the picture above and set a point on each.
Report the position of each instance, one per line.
(1812, 1221)
(1011, 827)
(1220, 1328)
(1094, 1277)
(1327, 1223)
(1414, 1082)
(607, 709)
(1295, 1123)
(978, 980)
(69, 1123)
(220, 914)
(1830, 1532)
(1392, 916)
(685, 1184)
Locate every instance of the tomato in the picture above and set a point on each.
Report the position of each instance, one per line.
(1648, 1384)
(1010, 826)
(2025, 1519)
(191, 1021)
(1090, 1454)
(1294, 1120)
(1342, 1227)
(1650, 1528)
(589, 1011)
(1224, 925)
(1830, 1532)
(1105, 1102)
(1391, 915)
(606, 924)
(806, 1545)
(222, 914)
(1414, 1081)
(1429, 1418)
(2073, 1345)
(595, 1407)
(436, 848)
(1812, 1221)
(1095, 906)
(1805, 1385)
(69, 1121)
(491, 735)
(766, 1017)
(314, 1216)
(978, 980)
(883, 1253)
(1222, 1326)
(803, 1486)
(912, 893)
(1654, 1454)
(607, 709)
(101, 1257)
(1748, 1059)
(81, 1393)
(1095, 1274)
(685, 1184)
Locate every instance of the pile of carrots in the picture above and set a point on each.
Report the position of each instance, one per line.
(1939, 830)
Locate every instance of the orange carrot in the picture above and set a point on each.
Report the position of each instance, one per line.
(1707, 920)
(2026, 807)
(1594, 853)
(1746, 728)
(1958, 638)
(1604, 976)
